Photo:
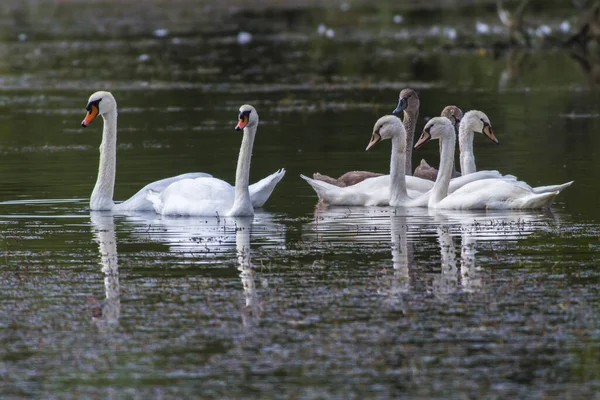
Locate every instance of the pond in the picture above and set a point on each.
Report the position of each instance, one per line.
(300, 301)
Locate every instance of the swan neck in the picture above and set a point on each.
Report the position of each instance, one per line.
(410, 123)
(242, 204)
(440, 187)
(465, 144)
(398, 194)
(102, 196)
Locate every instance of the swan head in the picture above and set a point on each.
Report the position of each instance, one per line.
(477, 121)
(386, 128)
(408, 100)
(435, 128)
(453, 113)
(248, 117)
(99, 103)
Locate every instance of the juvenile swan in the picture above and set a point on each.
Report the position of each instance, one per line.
(212, 196)
(104, 104)
(395, 189)
(426, 171)
(482, 194)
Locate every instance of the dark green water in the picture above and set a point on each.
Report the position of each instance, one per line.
(338, 303)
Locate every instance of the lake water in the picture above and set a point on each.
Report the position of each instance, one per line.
(300, 301)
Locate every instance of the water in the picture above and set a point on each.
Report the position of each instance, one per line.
(300, 301)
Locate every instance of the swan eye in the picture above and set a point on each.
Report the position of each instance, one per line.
(244, 117)
(93, 109)
(93, 103)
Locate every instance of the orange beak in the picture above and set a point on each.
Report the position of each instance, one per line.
(242, 123)
(487, 131)
(91, 114)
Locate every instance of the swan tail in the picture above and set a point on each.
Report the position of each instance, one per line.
(552, 188)
(424, 164)
(261, 190)
(154, 197)
(541, 200)
(324, 190)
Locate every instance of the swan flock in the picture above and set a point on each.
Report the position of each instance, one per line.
(201, 194)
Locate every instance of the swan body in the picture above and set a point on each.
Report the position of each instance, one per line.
(484, 194)
(394, 189)
(104, 104)
(208, 196)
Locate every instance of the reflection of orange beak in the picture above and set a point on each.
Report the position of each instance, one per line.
(487, 131)
(93, 113)
(425, 137)
(242, 123)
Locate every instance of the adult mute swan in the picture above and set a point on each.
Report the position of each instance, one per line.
(483, 194)
(104, 104)
(393, 189)
(409, 104)
(212, 196)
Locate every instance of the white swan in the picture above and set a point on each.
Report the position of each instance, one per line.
(104, 104)
(482, 194)
(475, 121)
(212, 196)
(395, 189)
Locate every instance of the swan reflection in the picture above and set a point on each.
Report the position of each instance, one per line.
(252, 311)
(202, 240)
(407, 229)
(106, 313)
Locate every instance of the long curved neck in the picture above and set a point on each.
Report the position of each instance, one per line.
(102, 196)
(398, 194)
(440, 187)
(410, 122)
(242, 204)
(465, 143)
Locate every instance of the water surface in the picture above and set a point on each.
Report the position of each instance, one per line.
(300, 301)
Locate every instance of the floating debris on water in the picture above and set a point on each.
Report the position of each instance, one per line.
(161, 33)
(244, 38)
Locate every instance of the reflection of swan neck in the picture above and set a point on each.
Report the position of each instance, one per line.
(465, 143)
(470, 281)
(102, 196)
(400, 248)
(440, 187)
(107, 244)
(242, 204)
(410, 123)
(398, 195)
(242, 244)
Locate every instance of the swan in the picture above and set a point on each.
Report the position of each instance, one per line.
(207, 196)
(409, 104)
(104, 104)
(426, 171)
(482, 194)
(475, 121)
(395, 189)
